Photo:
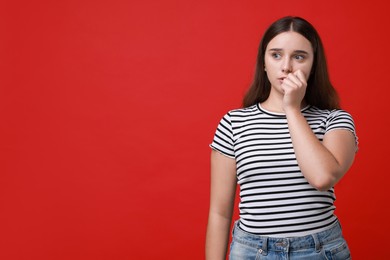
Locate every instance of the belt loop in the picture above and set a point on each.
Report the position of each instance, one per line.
(317, 242)
(264, 246)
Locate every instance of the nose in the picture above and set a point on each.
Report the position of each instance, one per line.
(286, 65)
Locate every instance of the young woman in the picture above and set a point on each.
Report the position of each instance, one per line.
(286, 148)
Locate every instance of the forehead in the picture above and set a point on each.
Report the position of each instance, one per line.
(290, 41)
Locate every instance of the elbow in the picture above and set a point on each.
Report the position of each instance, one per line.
(323, 184)
(324, 177)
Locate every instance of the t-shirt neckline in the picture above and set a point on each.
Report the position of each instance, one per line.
(262, 109)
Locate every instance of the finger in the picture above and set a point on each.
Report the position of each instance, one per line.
(300, 75)
(288, 85)
(294, 79)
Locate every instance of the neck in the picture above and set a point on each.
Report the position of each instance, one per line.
(272, 106)
(275, 104)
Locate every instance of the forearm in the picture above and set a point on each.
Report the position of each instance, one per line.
(222, 196)
(316, 162)
(217, 237)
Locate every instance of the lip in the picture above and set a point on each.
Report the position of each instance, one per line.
(281, 79)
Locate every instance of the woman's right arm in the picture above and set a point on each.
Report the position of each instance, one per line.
(222, 195)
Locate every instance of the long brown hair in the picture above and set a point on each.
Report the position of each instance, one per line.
(319, 92)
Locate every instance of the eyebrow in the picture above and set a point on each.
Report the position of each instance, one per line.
(296, 51)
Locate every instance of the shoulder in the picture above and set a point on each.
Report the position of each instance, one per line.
(243, 112)
(331, 118)
(328, 113)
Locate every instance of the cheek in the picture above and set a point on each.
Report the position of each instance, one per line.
(271, 66)
(269, 62)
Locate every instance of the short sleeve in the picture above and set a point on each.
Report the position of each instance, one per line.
(223, 137)
(340, 119)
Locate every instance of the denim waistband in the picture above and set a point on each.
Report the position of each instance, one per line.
(265, 243)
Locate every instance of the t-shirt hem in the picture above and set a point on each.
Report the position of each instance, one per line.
(221, 152)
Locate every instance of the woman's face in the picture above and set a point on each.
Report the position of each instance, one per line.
(286, 53)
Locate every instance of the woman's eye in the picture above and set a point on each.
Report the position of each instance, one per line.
(276, 55)
(299, 57)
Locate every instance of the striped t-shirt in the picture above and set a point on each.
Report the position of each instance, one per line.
(275, 198)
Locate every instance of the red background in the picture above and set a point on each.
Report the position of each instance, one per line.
(107, 109)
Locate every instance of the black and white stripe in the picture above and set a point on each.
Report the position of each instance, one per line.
(276, 200)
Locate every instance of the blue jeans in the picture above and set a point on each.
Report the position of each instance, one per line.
(328, 245)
